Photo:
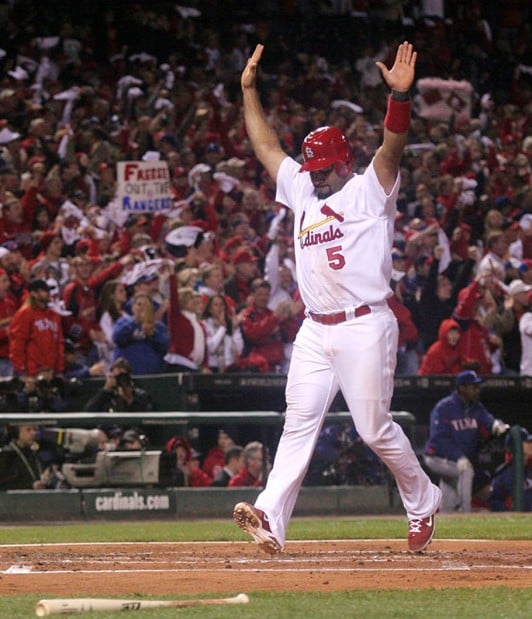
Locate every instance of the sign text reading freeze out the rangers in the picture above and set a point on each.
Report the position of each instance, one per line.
(143, 185)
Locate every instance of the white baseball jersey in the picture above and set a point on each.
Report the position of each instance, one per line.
(342, 243)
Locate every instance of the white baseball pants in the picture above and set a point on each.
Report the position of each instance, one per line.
(357, 356)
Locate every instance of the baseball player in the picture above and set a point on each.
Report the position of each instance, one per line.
(348, 340)
(459, 424)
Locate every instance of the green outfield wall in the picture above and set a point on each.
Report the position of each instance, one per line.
(17, 506)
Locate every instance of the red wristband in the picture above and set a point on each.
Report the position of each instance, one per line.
(397, 116)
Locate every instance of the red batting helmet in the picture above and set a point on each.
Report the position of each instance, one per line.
(324, 147)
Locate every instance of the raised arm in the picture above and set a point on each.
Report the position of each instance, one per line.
(397, 122)
(264, 140)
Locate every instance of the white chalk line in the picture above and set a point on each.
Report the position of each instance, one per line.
(230, 543)
(457, 568)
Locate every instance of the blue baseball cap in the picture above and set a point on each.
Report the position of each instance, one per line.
(468, 377)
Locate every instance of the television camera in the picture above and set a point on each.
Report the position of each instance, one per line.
(87, 466)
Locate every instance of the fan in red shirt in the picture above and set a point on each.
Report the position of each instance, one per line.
(36, 334)
(444, 356)
(81, 298)
(261, 327)
(252, 473)
(476, 343)
(215, 459)
(186, 470)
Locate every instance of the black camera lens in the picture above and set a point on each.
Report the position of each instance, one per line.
(123, 380)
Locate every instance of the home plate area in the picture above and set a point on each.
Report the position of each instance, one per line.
(225, 567)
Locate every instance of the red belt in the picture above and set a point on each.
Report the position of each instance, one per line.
(338, 317)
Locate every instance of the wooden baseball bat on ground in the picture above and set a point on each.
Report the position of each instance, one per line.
(61, 606)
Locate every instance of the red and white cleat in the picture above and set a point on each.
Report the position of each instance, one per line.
(255, 522)
(420, 533)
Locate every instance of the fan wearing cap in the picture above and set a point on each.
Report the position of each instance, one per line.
(185, 464)
(343, 236)
(36, 334)
(131, 440)
(459, 425)
(182, 243)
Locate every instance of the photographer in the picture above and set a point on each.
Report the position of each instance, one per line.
(20, 467)
(119, 393)
(43, 393)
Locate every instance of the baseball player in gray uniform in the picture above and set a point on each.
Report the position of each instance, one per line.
(348, 340)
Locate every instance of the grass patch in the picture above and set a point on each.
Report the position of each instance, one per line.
(488, 603)
(477, 526)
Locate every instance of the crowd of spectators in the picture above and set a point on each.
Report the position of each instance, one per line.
(209, 284)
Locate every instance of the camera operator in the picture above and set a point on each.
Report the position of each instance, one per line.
(132, 440)
(43, 393)
(10, 389)
(119, 393)
(20, 467)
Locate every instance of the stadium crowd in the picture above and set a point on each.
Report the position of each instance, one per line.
(209, 284)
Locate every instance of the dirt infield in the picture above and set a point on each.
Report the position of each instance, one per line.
(196, 568)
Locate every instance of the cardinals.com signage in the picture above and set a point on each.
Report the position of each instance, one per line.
(143, 186)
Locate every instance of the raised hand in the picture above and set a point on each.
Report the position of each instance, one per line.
(249, 74)
(401, 75)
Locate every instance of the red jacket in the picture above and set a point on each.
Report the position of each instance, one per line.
(441, 357)
(35, 197)
(82, 300)
(199, 479)
(262, 335)
(36, 341)
(183, 334)
(474, 337)
(244, 479)
(214, 461)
